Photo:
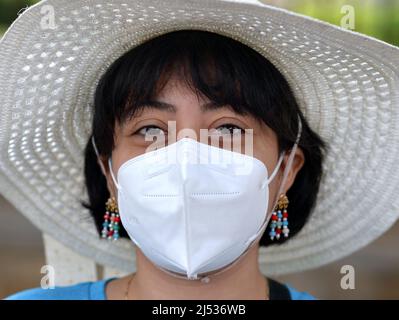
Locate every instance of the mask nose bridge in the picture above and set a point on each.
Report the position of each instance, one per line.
(182, 147)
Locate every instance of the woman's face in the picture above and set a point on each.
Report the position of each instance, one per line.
(190, 116)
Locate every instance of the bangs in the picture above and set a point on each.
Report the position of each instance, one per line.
(213, 66)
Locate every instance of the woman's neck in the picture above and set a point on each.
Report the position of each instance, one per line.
(242, 281)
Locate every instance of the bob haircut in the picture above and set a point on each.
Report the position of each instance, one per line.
(225, 71)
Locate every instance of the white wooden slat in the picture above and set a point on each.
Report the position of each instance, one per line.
(69, 267)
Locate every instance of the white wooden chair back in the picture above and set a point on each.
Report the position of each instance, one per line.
(71, 267)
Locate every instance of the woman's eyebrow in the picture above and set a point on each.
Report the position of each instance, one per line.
(164, 106)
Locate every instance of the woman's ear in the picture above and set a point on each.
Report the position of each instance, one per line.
(297, 163)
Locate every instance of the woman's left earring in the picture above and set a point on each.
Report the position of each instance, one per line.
(111, 220)
(279, 219)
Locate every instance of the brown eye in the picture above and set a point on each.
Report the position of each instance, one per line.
(229, 129)
(150, 131)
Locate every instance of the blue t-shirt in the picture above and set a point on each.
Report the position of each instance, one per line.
(95, 290)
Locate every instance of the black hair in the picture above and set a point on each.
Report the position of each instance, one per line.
(225, 71)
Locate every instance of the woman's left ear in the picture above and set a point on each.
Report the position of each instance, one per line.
(297, 163)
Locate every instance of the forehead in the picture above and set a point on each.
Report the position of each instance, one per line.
(177, 88)
(178, 95)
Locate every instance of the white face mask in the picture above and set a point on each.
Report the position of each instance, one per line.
(194, 215)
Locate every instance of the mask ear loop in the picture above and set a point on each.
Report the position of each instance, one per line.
(98, 155)
(270, 179)
(290, 159)
(101, 164)
(205, 278)
(112, 173)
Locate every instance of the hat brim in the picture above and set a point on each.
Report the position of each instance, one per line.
(346, 84)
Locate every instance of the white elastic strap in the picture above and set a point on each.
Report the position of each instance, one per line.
(268, 180)
(112, 173)
(290, 158)
(100, 163)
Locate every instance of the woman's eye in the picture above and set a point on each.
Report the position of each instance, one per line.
(151, 131)
(229, 129)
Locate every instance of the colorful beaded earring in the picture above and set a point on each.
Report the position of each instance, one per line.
(111, 220)
(279, 219)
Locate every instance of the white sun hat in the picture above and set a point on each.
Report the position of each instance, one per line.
(346, 84)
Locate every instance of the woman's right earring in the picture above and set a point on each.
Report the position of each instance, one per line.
(279, 219)
(111, 220)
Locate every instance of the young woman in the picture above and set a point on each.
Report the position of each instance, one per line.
(199, 229)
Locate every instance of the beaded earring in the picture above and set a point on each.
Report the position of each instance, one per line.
(111, 220)
(279, 219)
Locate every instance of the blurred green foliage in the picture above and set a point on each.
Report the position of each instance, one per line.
(377, 18)
(10, 8)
